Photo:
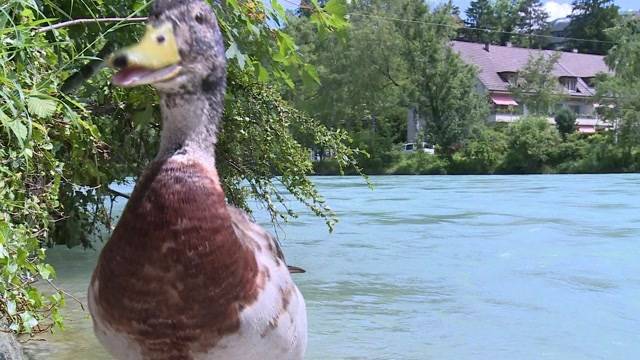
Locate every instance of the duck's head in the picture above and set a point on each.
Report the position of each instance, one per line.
(182, 50)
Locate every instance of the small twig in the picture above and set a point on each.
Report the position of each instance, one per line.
(89, 21)
(66, 293)
(118, 193)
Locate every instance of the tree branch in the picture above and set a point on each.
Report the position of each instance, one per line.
(89, 21)
(118, 193)
(66, 293)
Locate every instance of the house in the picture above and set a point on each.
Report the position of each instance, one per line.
(498, 67)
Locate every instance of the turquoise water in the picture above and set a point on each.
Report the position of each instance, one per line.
(501, 267)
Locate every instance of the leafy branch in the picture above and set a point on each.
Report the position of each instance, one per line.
(90, 21)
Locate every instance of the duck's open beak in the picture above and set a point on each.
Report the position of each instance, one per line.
(154, 59)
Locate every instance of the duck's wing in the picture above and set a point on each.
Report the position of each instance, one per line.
(256, 237)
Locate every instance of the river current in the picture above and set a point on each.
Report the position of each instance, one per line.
(465, 267)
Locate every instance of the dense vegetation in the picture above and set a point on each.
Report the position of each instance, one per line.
(530, 146)
(66, 134)
(395, 57)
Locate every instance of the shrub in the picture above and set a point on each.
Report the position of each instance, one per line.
(565, 122)
(532, 143)
(482, 154)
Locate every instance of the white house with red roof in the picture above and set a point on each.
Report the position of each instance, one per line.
(498, 68)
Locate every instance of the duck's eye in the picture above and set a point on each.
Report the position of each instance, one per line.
(161, 39)
(199, 18)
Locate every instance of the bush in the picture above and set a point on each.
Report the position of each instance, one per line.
(602, 155)
(482, 154)
(565, 122)
(532, 143)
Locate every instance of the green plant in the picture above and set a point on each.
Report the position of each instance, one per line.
(66, 134)
(532, 143)
(482, 153)
(565, 122)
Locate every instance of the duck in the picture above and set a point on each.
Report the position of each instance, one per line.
(184, 275)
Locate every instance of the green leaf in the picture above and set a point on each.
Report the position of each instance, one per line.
(12, 268)
(310, 75)
(41, 107)
(279, 9)
(139, 5)
(336, 8)
(19, 130)
(263, 74)
(46, 271)
(11, 307)
(233, 52)
(28, 321)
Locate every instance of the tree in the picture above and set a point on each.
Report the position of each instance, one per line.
(307, 8)
(589, 20)
(484, 151)
(506, 13)
(565, 122)
(481, 16)
(532, 143)
(360, 72)
(620, 89)
(442, 86)
(537, 87)
(362, 75)
(531, 21)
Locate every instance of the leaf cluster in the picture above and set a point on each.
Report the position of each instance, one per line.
(66, 134)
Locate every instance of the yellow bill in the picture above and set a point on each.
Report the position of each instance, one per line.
(154, 59)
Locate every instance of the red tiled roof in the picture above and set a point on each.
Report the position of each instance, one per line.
(512, 59)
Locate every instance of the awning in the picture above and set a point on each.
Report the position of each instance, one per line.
(500, 99)
(587, 129)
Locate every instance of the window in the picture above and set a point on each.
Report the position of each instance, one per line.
(590, 81)
(509, 77)
(570, 83)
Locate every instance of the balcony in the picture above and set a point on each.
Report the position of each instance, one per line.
(504, 118)
(586, 123)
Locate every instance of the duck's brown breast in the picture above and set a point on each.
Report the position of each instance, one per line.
(174, 275)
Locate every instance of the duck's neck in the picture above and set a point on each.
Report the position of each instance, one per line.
(190, 122)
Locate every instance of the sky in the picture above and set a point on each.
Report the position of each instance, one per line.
(558, 8)
(555, 8)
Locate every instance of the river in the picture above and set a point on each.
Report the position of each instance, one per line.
(467, 267)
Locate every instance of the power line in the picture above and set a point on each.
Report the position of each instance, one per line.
(485, 30)
(481, 29)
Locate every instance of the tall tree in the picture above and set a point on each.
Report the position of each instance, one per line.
(506, 14)
(481, 17)
(589, 20)
(442, 85)
(361, 74)
(620, 89)
(531, 21)
(537, 87)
